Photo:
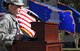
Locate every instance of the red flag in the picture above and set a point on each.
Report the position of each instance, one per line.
(24, 21)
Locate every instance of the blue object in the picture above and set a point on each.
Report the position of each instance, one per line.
(42, 11)
(76, 15)
(66, 22)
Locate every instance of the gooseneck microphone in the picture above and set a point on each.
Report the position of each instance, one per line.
(35, 16)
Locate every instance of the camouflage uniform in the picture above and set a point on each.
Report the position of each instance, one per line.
(8, 25)
(8, 30)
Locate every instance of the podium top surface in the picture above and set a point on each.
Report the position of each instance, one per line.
(46, 22)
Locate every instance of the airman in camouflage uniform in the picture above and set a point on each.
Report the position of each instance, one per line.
(8, 24)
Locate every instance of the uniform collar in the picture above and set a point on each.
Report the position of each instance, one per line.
(14, 18)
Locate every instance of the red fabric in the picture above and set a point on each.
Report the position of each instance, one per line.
(24, 21)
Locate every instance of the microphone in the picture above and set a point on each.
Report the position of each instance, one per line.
(34, 15)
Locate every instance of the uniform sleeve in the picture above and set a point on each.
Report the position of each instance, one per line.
(4, 25)
(12, 30)
(8, 29)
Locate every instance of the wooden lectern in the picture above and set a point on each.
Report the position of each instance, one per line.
(47, 39)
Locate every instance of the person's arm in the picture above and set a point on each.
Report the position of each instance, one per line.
(8, 30)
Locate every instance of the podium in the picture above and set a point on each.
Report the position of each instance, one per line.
(47, 39)
(46, 31)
